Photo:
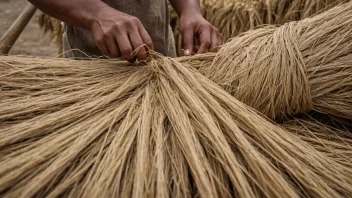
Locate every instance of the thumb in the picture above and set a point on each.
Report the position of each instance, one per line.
(188, 36)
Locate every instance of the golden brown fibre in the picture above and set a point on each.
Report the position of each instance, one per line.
(158, 130)
(298, 67)
(335, 142)
(102, 128)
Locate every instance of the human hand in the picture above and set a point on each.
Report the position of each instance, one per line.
(196, 31)
(118, 34)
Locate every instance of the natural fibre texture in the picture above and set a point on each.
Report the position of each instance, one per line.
(298, 67)
(336, 143)
(233, 17)
(157, 130)
(53, 27)
(102, 128)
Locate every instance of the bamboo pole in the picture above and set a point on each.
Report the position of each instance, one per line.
(12, 34)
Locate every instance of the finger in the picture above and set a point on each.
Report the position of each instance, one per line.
(100, 40)
(205, 39)
(196, 44)
(215, 41)
(136, 41)
(188, 36)
(125, 47)
(145, 37)
(113, 48)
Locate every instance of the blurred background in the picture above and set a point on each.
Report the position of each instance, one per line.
(32, 41)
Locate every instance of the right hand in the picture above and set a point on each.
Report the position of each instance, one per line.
(118, 34)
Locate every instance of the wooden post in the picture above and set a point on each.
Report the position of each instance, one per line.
(11, 35)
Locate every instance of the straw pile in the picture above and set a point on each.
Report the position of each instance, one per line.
(101, 128)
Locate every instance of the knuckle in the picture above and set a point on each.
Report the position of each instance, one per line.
(149, 42)
(126, 51)
(105, 35)
(205, 25)
(208, 25)
(189, 24)
(207, 43)
(109, 31)
(99, 41)
(124, 23)
(134, 20)
(115, 27)
(119, 27)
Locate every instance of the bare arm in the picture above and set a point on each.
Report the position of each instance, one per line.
(115, 32)
(67, 10)
(194, 27)
(186, 6)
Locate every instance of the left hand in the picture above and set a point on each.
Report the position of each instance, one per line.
(198, 34)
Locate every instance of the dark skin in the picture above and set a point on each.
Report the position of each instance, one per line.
(118, 34)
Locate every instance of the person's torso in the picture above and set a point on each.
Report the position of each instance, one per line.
(152, 13)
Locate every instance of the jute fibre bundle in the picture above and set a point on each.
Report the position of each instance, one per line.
(298, 67)
(93, 128)
(233, 17)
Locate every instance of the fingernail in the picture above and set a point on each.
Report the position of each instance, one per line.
(186, 52)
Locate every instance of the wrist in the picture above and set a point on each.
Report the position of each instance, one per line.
(190, 11)
(91, 14)
(190, 14)
(186, 7)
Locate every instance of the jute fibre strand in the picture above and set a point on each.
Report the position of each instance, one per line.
(161, 130)
(327, 139)
(309, 63)
(103, 128)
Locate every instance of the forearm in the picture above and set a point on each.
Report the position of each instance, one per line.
(79, 13)
(186, 6)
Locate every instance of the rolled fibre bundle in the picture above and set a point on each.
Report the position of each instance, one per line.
(99, 128)
(298, 67)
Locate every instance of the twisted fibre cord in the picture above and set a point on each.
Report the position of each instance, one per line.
(165, 129)
(292, 69)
